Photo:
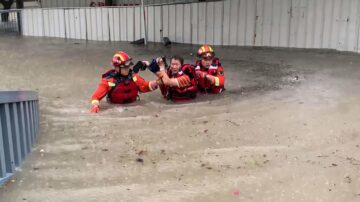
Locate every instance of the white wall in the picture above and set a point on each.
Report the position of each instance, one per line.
(277, 23)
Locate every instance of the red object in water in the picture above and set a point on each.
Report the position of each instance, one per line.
(236, 193)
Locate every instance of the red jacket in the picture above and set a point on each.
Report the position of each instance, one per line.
(120, 89)
(215, 70)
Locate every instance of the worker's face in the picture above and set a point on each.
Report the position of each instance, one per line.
(175, 66)
(124, 68)
(206, 61)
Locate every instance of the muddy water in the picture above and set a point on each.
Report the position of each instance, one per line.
(286, 128)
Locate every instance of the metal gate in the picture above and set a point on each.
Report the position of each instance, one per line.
(19, 129)
(10, 21)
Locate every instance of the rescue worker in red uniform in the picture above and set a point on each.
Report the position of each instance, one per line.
(209, 72)
(120, 84)
(178, 82)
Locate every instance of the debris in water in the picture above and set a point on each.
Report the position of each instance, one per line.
(232, 122)
(348, 179)
(142, 152)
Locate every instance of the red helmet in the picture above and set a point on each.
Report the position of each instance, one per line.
(121, 59)
(206, 51)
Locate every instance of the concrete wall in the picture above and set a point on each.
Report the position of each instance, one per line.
(277, 23)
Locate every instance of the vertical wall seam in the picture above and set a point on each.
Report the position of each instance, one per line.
(64, 24)
(222, 23)
(357, 27)
(86, 30)
(340, 21)
(348, 20)
(229, 34)
(306, 23)
(246, 19)
(262, 23)
(198, 26)
(280, 24)
(332, 23)
(183, 25)
(271, 22)
(255, 24)
(191, 24)
(237, 22)
(314, 24)
(290, 22)
(323, 26)
(213, 21)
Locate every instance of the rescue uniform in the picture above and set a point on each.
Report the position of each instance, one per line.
(186, 88)
(216, 70)
(120, 89)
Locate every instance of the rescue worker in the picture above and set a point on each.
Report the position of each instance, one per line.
(209, 72)
(178, 83)
(120, 84)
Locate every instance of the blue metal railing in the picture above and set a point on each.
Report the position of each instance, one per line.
(19, 129)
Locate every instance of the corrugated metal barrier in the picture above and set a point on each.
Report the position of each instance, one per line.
(19, 129)
(275, 23)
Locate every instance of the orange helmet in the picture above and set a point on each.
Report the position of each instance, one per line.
(206, 50)
(121, 59)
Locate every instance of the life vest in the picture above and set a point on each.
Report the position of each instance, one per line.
(184, 93)
(123, 88)
(203, 84)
